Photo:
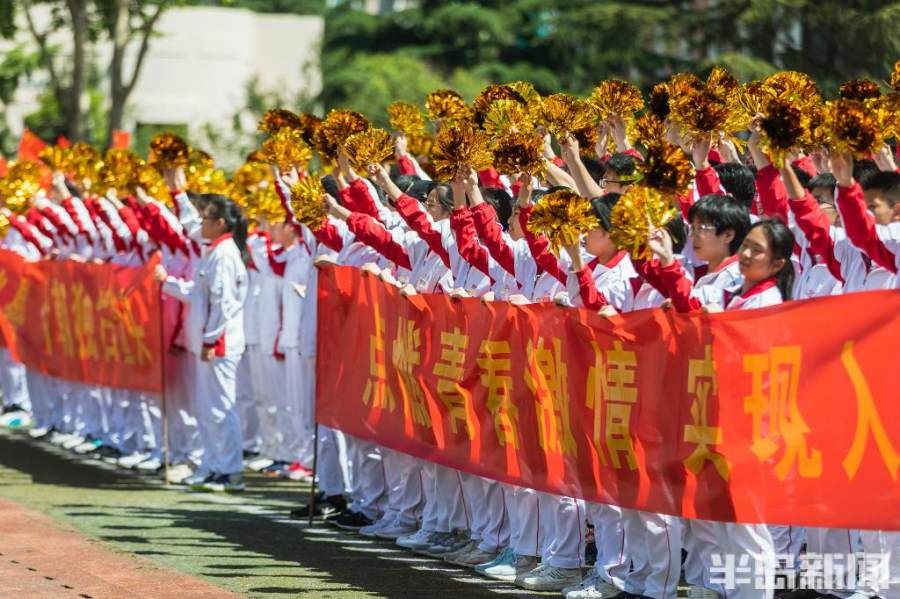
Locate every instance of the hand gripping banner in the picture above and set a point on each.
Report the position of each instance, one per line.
(96, 324)
(783, 415)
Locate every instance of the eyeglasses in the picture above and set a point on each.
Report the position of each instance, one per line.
(700, 229)
(605, 182)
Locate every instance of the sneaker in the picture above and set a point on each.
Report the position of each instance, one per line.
(592, 587)
(39, 432)
(178, 474)
(57, 438)
(453, 541)
(472, 558)
(698, 592)
(326, 507)
(417, 540)
(152, 465)
(457, 552)
(259, 463)
(132, 460)
(89, 446)
(511, 572)
(435, 538)
(395, 530)
(219, 483)
(15, 417)
(73, 442)
(275, 469)
(549, 578)
(351, 520)
(108, 454)
(370, 530)
(299, 472)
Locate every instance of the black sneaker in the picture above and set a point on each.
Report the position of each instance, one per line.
(275, 469)
(327, 508)
(350, 520)
(105, 452)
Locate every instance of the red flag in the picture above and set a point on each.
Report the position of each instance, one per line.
(2, 166)
(121, 139)
(63, 142)
(30, 146)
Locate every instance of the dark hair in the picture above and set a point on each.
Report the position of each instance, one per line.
(420, 189)
(821, 180)
(444, 196)
(594, 167)
(738, 181)
(603, 206)
(199, 200)
(72, 189)
(726, 213)
(678, 233)
(622, 165)
(863, 169)
(501, 201)
(331, 187)
(781, 243)
(405, 182)
(235, 221)
(382, 197)
(802, 175)
(887, 182)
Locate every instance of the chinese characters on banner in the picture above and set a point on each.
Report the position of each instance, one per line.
(87, 323)
(780, 415)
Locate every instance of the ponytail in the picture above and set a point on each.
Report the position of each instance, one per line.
(781, 242)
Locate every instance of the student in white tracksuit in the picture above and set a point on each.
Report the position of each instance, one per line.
(215, 332)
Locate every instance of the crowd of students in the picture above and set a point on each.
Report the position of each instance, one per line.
(240, 329)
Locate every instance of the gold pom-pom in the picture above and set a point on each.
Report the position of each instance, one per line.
(459, 146)
(286, 149)
(860, 89)
(797, 88)
(666, 169)
(4, 225)
(639, 211)
(248, 177)
(203, 176)
(722, 83)
(17, 188)
(563, 216)
(658, 104)
(587, 138)
(308, 202)
(853, 128)
(55, 157)
(520, 152)
(895, 77)
(119, 169)
(493, 93)
(167, 150)
(753, 97)
(526, 90)
(562, 113)
(648, 130)
(84, 163)
(782, 129)
(151, 181)
(309, 124)
(446, 104)
(407, 118)
(368, 147)
(277, 119)
(615, 97)
(699, 114)
(336, 128)
(887, 111)
(420, 145)
(506, 116)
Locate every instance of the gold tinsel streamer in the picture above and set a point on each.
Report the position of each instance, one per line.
(639, 210)
(702, 109)
(4, 225)
(407, 118)
(151, 181)
(308, 202)
(309, 124)
(895, 77)
(520, 152)
(17, 188)
(247, 189)
(860, 89)
(55, 157)
(420, 145)
(458, 146)
(887, 111)
(648, 130)
(853, 128)
(286, 149)
(167, 150)
(446, 104)
(84, 163)
(119, 170)
(587, 138)
(335, 129)
(666, 169)
(506, 116)
(368, 147)
(658, 103)
(614, 97)
(276, 119)
(526, 90)
(203, 176)
(563, 216)
(493, 93)
(562, 113)
(782, 127)
(795, 87)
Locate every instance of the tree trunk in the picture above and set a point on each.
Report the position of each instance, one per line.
(78, 14)
(117, 97)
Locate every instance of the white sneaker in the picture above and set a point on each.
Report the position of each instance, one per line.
(592, 587)
(17, 419)
(151, 465)
(472, 558)
(417, 540)
(38, 432)
(178, 473)
(371, 529)
(73, 442)
(697, 592)
(395, 530)
(259, 464)
(508, 568)
(87, 447)
(549, 578)
(132, 460)
(59, 438)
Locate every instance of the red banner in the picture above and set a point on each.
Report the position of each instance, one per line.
(89, 323)
(779, 415)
